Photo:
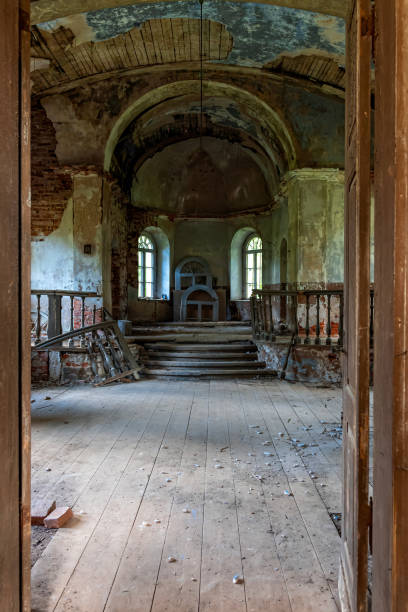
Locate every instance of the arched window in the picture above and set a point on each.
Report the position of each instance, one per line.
(146, 268)
(252, 264)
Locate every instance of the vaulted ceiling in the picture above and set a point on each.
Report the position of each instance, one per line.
(47, 10)
(289, 45)
(246, 34)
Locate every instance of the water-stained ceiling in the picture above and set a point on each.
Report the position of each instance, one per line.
(290, 54)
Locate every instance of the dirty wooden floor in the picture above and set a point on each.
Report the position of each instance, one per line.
(145, 452)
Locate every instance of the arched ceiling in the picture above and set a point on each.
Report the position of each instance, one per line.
(245, 152)
(236, 34)
(295, 45)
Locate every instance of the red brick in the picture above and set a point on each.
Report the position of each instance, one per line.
(40, 509)
(51, 186)
(59, 517)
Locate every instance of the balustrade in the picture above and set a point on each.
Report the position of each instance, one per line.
(64, 311)
(312, 316)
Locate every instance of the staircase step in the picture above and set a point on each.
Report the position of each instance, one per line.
(230, 348)
(205, 364)
(219, 324)
(203, 355)
(208, 372)
(199, 350)
(201, 338)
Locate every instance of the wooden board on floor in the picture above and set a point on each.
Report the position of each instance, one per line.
(115, 475)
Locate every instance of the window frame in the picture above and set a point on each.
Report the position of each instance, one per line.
(141, 282)
(245, 253)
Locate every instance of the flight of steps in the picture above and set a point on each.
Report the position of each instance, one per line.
(202, 350)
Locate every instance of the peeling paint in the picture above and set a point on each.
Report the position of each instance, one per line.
(260, 31)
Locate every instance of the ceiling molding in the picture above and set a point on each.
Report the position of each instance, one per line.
(48, 10)
(244, 71)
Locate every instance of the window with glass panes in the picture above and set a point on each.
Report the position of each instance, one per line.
(253, 265)
(146, 266)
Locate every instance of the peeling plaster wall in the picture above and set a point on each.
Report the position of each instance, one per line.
(211, 239)
(115, 250)
(52, 256)
(87, 198)
(58, 261)
(316, 226)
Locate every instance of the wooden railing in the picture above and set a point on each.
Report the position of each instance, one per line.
(109, 355)
(63, 311)
(311, 317)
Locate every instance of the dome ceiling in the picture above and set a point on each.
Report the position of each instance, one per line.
(218, 179)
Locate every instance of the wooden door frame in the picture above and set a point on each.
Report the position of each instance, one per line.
(390, 516)
(15, 356)
(390, 527)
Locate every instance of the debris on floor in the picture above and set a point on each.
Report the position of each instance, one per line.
(40, 538)
(58, 518)
(40, 509)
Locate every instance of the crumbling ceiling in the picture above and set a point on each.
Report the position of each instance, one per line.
(301, 43)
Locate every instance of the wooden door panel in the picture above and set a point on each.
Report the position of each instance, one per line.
(354, 549)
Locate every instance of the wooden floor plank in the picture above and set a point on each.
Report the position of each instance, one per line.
(52, 571)
(178, 584)
(305, 577)
(265, 586)
(135, 582)
(221, 556)
(111, 462)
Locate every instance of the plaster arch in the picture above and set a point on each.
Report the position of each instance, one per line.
(255, 107)
(206, 272)
(205, 289)
(237, 261)
(162, 260)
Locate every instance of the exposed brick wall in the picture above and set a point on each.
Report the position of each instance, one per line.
(51, 186)
(119, 205)
(40, 366)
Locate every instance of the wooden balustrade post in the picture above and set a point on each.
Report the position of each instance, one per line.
(272, 336)
(82, 318)
(54, 315)
(71, 324)
(328, 325)
(341, 319)
(295, 301)
(38, 324)
(371, 318)
(317, 339)
(263, 317)
(307, 339)
(252, 307)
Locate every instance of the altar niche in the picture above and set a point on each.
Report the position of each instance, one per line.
(194, 296)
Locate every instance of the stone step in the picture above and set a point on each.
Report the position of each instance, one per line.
(200, 338)
(204, 364)
(201, 355)
(190, 323)
(209, 372)
(239, 347)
